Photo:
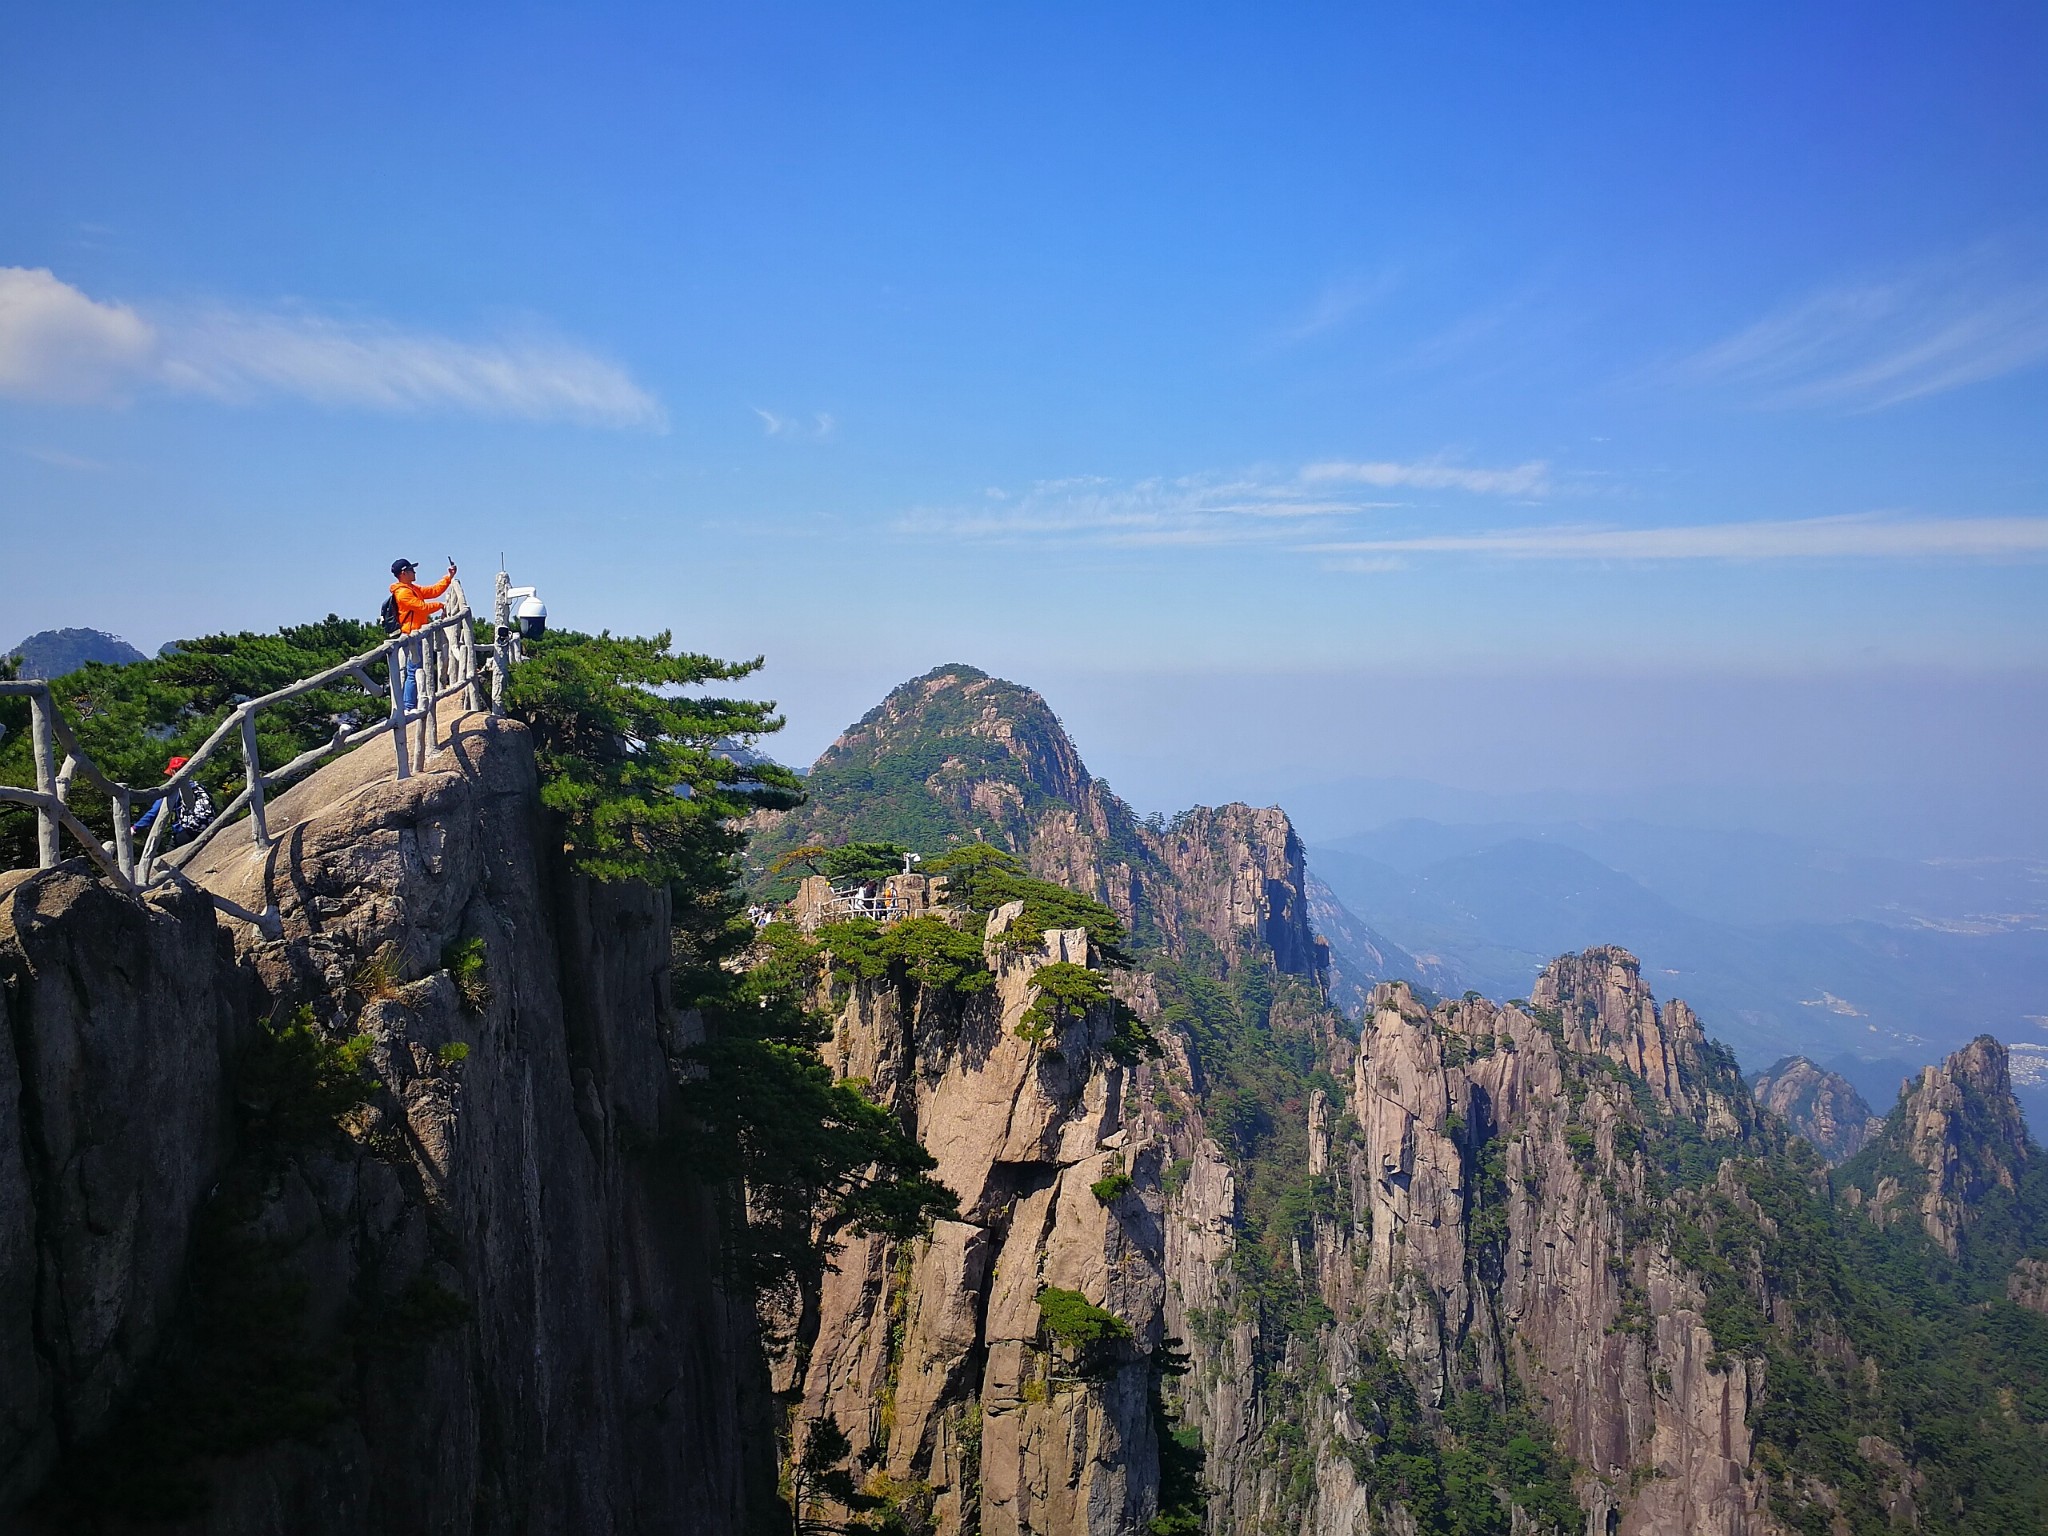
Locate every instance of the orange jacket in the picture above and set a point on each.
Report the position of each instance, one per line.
(413, 608)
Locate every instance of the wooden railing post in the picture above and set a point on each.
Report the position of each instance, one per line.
(42, 741)
(253, 766)
(430, 691)
(124, 835)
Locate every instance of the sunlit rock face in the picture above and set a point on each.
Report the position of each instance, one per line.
(1536, 1278)
(1956, 1136)
(929, 1354)
(1819, 1105)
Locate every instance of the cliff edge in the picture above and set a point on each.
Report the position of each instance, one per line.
(480, 1298)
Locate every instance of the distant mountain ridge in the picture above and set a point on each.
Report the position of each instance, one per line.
(1361, 957)
(59, 652)
(1895, 994)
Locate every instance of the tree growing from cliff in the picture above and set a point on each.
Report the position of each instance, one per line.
(813, 1157)
(982, 877)
(644, 787)
(638, 774)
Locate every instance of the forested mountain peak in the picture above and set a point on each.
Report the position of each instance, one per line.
(60, 652)
(951, 755)
(957, 756)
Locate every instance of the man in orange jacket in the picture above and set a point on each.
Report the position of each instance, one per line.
(413, 605)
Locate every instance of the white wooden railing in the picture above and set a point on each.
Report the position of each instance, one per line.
(445, 660)
(882, 906)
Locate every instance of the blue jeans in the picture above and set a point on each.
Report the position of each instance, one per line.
(409, 656)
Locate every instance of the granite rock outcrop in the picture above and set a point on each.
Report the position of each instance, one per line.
(1819, 1105)
(1956, 1136)
(957, 755)
(931, 1354)
(1485, 1239)
(522, 1305)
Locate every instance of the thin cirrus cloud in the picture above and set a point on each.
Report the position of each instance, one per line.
(1164, 510)
(1531, 479)
(1861, 536)
(61, 346)
(1315, 510)
(1336, 306)
(817, 429)
(1868, 346)
(1260, 507)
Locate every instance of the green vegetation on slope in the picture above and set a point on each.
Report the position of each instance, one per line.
(907, 772)
(1956, 1375)
(1874, 1343)
(982, 878)
(1258, 1043)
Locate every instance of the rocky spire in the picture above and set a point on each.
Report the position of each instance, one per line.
(1955, 1135)
(1819, 1105)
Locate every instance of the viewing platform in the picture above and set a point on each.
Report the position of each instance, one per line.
(892, 900)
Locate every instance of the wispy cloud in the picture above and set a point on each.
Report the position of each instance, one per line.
(57, 344)
(1531, 479)
(1254, 507)
(1337, 304)
(1187, 509)
(1867, 536)
(1319, 512)
(1866, 346)
(57, 458)
(820, 426)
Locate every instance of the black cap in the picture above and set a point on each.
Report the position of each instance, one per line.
(402, 565)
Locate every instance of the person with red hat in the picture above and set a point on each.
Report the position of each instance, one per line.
(191, 808)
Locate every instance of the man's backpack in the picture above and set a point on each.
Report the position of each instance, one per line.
(389, 613)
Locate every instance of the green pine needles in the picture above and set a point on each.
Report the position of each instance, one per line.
(639, 774)
(1089, 1334)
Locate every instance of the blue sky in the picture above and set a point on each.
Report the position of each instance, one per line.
(1290, 392)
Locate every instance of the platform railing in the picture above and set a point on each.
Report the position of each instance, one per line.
(442, 654)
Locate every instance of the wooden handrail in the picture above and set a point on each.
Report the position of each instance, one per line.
(448, 636)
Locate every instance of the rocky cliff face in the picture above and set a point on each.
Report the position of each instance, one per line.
(115, 1120)
(1956, 1136)
(1473, 1182)
(1484, 1234)
(1231, 876)
(506, 1305)
(931, 1355)
(1464, 1267)
(1819, 1105)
